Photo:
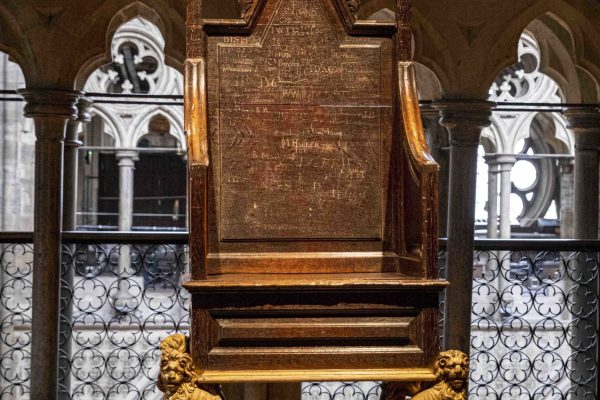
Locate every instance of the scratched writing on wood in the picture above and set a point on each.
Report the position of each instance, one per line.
(300, 120)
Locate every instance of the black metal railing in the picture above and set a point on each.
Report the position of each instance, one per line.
(122, 295)
(16, 268)
(535, 319)
(534, 326)
(341, 390)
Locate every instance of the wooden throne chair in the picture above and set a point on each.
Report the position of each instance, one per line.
(313, 202)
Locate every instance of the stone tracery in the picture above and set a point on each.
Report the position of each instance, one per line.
(526, 133)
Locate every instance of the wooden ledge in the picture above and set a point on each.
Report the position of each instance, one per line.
(299, 282)
(318, 375)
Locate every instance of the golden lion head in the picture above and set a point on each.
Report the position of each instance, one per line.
(177, 378)
(176, 366)
(452, 367)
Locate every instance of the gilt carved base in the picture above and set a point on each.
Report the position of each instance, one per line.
(452, 373)
(177, 378)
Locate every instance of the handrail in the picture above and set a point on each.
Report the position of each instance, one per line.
(531, 244)
(16, 237)
(83, 237)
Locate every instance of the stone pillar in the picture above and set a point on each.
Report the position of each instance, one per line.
(505, 164)
(50, 110)
(492, 203)
(437, 139)
(465, 120)
(566, 198)
(71, 166)
(585, 125)
(72, 144)
(127, 159)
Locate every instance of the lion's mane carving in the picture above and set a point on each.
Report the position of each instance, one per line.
(452, 372)
(177, 378)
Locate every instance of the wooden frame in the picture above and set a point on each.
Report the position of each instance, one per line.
(353, 292)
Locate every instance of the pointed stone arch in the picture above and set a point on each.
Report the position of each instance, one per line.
(111, 123)
(566, 37)
(428, 84)
(172, 33)
(12, 43)
(139, 126)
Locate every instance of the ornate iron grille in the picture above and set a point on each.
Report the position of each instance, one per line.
(16, 267)
(341, 391)
(534, 326)
(120, 301)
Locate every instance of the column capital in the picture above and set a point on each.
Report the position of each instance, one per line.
(584, 122)
(464, 119)
(491, 159)
(84, 116)
(84, 110)
(506, 161)
(50, 103)
(582, 117)
(127, 158)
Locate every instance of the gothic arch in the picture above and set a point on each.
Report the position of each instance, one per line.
(139, 126)
(425, 32)
(556, 59)
(173, 50)
(12, 42)
(588, 86)
(112, 124)
(563, 30)
(428, 84)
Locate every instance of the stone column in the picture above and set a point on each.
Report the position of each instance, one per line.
(566, 198)
(50, 110)
(71, 152)
(127, 159)
(505, 164)
(72, 144)
(437, 139)
(585, 125)
(492, 203)
(465, 120)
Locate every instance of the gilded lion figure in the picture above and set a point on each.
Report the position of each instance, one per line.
(452, 373)
(177, 378)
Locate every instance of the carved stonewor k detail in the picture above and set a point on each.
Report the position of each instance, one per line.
(177, 378)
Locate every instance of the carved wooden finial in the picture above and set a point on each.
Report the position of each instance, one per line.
(245, 7)
(403, 29)
(195, 31)
(178, 379)
(353, 6)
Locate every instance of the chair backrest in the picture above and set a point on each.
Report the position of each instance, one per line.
(310, 168)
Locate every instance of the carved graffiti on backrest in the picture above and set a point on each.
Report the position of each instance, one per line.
(301, 135)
